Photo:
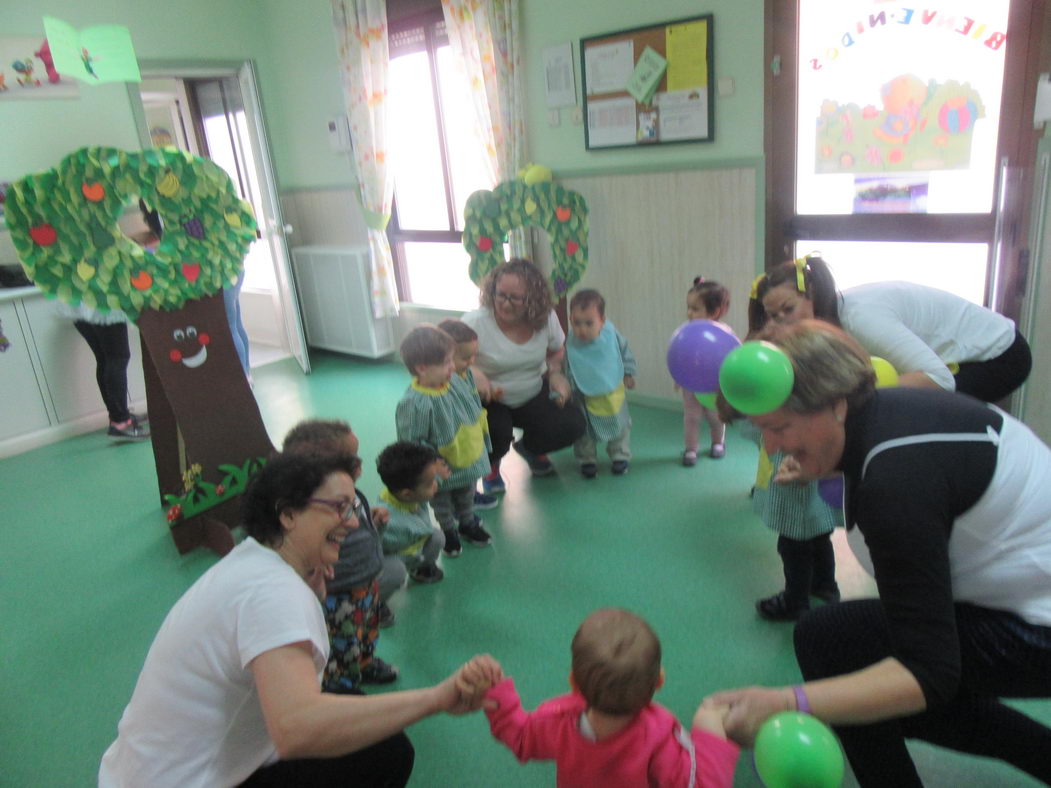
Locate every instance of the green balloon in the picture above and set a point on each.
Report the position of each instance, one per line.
(796, 750)
(707, 399)
(756, 378)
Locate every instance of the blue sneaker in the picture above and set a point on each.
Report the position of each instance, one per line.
(483, 501)
(539, 464)
(493, 484)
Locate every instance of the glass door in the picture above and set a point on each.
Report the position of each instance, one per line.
(894, 141)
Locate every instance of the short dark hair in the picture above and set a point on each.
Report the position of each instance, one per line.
(616, 661)
(401, 464)
(713, 295)
(582, 299)
(314, 436)
(286, 483)
(458, 330)
(819, 286)
(426, 344)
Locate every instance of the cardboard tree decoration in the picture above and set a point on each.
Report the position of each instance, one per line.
(208, 435)
(563, 213)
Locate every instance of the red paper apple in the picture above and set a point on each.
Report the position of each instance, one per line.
(485, 243)
(94, 192)
(191, 271)
(142, 280)
(571, 247)
(562, 213)
(43, 234)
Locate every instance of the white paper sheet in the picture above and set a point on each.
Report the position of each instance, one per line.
(609, 67)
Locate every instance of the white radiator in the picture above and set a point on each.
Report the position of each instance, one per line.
(334, 294)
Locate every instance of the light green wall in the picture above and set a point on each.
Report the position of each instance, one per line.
(738, 49)
(37, 133)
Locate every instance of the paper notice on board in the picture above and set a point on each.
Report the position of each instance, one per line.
(683, 114)
(611, 122)
(687, 49)
(609, 66)
(559, 87)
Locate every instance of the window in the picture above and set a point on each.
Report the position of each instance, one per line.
(437, 161)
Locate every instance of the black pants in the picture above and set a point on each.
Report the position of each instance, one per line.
(110, 345)
(386, 764)
(992, 380)
(545, 426)
(810, 565)
(1001, 656)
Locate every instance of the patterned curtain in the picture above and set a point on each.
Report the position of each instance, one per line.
(361, 34)
(485, 40)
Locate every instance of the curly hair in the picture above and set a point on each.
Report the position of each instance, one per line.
(819, 287)
(538, 301)
(616, 661)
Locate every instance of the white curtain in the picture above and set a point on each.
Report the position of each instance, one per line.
(361, 35)
(485, 37)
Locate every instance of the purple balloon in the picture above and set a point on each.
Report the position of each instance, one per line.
(696, 352)
(831, 491)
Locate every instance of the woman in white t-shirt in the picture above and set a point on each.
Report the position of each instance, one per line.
(520, 351)
(230, 693)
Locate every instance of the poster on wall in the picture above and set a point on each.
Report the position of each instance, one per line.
(27, 71)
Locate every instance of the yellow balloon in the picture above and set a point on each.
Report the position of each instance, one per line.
(886, 375)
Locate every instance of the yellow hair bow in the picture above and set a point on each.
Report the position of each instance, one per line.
(755, 286)
(801, 266)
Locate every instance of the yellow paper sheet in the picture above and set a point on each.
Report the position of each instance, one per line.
(687, 50)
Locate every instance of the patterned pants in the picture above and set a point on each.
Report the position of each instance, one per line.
(353, 626)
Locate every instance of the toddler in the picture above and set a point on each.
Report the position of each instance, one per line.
(466, 339)
(706, 300)
(599, 366)
(363, 579)
(608, 731)
(410, 472)
(441, 410)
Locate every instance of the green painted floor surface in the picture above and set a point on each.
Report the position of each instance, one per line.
(89, 572)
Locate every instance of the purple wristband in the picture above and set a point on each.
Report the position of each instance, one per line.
(801, 699)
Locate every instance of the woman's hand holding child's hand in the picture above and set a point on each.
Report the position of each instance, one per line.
(789, 472)
(476, 678)
(559, 388)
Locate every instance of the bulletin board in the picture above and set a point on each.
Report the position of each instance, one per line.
(649, 85)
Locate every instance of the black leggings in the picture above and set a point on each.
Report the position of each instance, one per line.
(109, 343)
(386, 764)
(1001, 656)
(545, 426)
(810, 565)
(992, 380)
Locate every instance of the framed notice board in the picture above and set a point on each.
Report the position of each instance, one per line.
(649, 85)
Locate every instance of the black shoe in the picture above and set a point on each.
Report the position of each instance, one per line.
(475, 533)
(427, 573)
(829, 595)
(386, 616)
(378, 672)
(778, 608)
(539, 464)
(129, 430)
(620, 467)
(484, 501)
(589, 470)
(452, 546)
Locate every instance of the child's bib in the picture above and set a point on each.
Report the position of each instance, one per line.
(597, 366)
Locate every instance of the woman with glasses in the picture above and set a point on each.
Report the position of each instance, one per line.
(520, 351)
(230, 692)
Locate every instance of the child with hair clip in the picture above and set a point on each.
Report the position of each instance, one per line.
(706, 300)
(466, 339)
(790, 292)
(411, 472)
(599, 367)
(441, 410)
(608, 731)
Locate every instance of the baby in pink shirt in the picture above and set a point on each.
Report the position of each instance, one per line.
(608, 732)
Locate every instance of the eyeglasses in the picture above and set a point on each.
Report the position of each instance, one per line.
(517, 300)
(345, 509)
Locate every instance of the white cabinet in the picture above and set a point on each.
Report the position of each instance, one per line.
(23, 402)
(335, 298)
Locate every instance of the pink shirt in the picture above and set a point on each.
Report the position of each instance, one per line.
(652, 750)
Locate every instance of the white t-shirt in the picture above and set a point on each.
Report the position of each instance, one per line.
(516, 368)
(922, 329)
(194, 718)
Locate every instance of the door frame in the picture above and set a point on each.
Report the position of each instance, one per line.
(273, 225)
(1005, 230)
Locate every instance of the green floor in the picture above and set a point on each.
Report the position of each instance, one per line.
(89, 573)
